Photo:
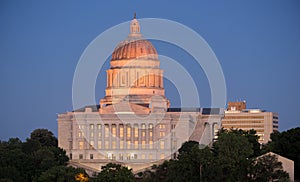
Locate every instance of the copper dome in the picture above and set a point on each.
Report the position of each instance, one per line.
(132, 49)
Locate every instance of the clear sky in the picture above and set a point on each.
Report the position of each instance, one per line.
(257, 43)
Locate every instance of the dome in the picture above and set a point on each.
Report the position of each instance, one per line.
(132, 49)
(135, 46)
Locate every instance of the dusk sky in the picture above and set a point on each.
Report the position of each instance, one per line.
(256, 42)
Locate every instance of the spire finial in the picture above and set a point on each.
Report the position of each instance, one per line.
(134, 16)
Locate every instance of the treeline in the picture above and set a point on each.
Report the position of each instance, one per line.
(236, 155)
(37, 159)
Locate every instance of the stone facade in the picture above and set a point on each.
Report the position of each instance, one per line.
(238, 117)
(133, 124)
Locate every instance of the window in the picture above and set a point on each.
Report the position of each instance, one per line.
(106, 130)
(121, 131)
(150, 156)
(136, 131)
(143, 133)
(150, 133)
(91, 156)
(106, 144)
(143, 126)
(99, 144)
(128, 131)
(121, 144)
(99, 130)
(143, 144)
(71, 156)
(80, 144)
(114, 130)
(150, 144)
(120, 156)
(162, 126)
(143, 156)
(128, 156)
(114, 145)
(162, 144)
(162, 156)
(128, 144)
(161, 133)
(80, 156)
(92, 134)
(91, 126)
(136, 144)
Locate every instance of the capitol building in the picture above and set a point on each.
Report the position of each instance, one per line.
(133, 124)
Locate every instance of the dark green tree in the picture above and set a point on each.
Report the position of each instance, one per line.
(268, 168)
(287, 144)
(115, 173)
(44, 137)
(232, 156)
(60, 174)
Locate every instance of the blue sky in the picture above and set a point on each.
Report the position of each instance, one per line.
(257, 43)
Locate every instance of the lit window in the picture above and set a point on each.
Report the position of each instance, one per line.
(80, 144)
(143, 126)
(128, 144)
(143, 133)
(143, 144)
(106, 144)
(150, 133)
(143, 156)
(161, 133)
(91, 127)
(136, 131)
(128, 131)
(162, 156)
(150, 144)
(136, 144)
(162, 126)
(99, 144)
(114, 145)
(150, 126)
(92, 134)
(121, 131)
(114, 131)
(150, 156)
(162, 144)
(106, 128)
(99, 130)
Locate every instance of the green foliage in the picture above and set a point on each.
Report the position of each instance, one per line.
(34, 159)
(60, 174)
(44, 137)
(232, 158)
(114, 173)
(287, 144)
(268, 168)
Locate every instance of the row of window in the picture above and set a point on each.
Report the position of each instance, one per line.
(129, 156)
(241, 121)
(244, 117)
(121, 145)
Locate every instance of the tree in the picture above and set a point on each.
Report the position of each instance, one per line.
(287, 144)
(232, 155)
(61, 174)
(44, 137)
(114, 173)
(268, 168)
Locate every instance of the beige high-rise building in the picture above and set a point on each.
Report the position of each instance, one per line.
(133, 124)
(237, 116)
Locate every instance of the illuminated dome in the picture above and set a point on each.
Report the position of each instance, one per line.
(135, 46)
(132, 49)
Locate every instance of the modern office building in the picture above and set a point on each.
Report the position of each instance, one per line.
(133, 124)
(237, 116)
